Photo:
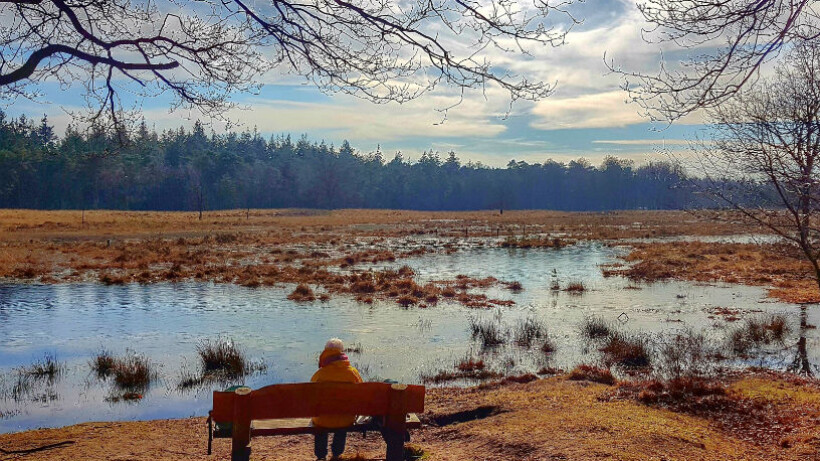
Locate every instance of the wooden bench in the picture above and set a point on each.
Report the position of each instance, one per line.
(286, 409)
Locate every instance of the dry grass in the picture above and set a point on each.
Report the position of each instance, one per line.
(777, 266)
(300, 246)
(592, 373)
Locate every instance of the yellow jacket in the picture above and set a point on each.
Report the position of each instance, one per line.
(335, 367)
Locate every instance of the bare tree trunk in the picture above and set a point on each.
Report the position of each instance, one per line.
(801, 362)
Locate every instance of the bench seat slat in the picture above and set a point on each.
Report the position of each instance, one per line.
(295, 426)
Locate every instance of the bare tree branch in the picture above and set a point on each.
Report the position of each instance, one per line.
(203, 51)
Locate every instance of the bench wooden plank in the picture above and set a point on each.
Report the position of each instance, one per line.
(282, 401)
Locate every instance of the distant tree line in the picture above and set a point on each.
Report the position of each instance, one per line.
(191, 170)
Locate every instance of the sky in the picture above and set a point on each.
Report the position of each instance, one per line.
(587, 116)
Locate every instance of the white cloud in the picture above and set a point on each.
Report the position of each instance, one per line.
(595, 110)
(643, 142)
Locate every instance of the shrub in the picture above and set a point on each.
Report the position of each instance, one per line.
(592, 373)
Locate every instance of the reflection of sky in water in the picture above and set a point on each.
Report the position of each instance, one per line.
(165, 322)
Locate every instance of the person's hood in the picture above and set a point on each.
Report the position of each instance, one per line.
(332, 356)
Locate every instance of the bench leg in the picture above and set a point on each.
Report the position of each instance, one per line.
(210, 434)
(241, 431)
(395, 422)
(242, 454)
(395, 446)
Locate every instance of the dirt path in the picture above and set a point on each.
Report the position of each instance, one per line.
(549, 419)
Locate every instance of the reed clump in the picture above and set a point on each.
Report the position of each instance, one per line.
(592, 373)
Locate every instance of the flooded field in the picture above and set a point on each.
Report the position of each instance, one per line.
(166, 321)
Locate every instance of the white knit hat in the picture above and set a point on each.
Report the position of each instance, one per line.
(335, 343)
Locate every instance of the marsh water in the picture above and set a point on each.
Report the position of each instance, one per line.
(165, 322)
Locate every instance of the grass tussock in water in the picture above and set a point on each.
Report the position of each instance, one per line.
(220, 361)
(221, 356)
(529, 331)
(758, 332)
(593, 328)
(301, 293)
(45, 368)
(575, 287)
(487, 332)
(103, 364)
(133, 372)
(627, 351)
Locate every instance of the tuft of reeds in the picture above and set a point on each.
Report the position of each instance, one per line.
(529, 331)
(592, 373)
(132, 372)
(595, 327)
(471, 364)
(45, 368)
(575, 287)
(221, 356)
(626, 351)
(103, 364)
(548, 346)
(487, 332)
(757, 332)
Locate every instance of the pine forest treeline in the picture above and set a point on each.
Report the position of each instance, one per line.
(190, 170)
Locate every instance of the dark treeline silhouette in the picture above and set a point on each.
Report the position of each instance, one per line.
(191, 170)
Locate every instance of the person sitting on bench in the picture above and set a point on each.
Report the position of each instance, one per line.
(334, 366)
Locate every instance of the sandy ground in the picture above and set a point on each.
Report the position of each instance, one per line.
(547, 419)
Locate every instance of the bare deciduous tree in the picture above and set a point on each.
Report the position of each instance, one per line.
(766, 141)
(730, 40)
(201, 51)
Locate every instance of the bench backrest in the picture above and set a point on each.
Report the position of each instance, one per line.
(304, 400)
